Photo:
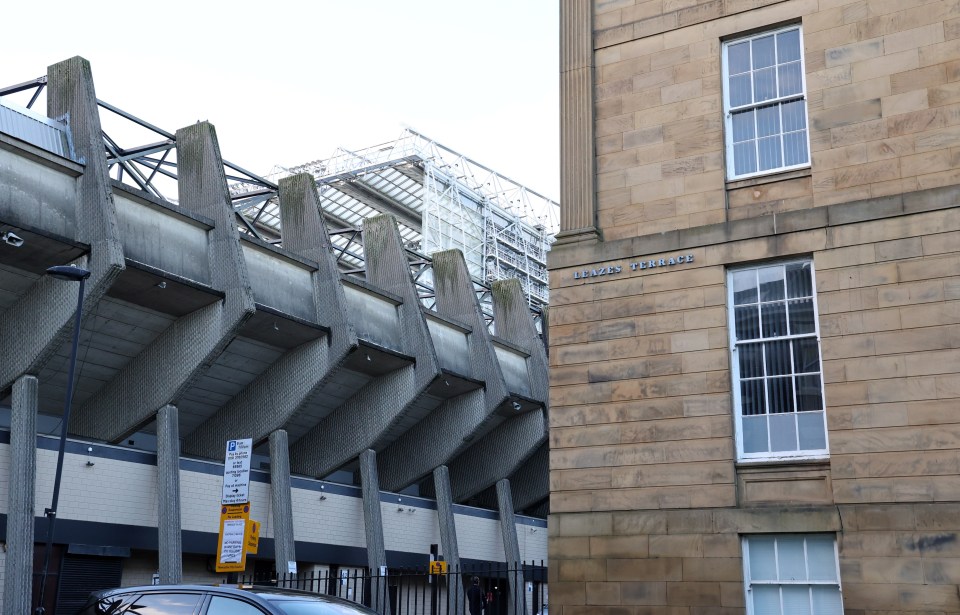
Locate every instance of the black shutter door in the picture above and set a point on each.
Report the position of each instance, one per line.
(82, 574)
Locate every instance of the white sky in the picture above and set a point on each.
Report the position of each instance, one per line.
(287, 82)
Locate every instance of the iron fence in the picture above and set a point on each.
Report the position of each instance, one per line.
(515, 589)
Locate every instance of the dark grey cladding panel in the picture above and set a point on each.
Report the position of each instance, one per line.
(452, 344)
(280, 283)
(513, 364)
(162, 239)
(37, 195)
(374, 317)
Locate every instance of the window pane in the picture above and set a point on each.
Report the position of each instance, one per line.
(755, 434)
(799, 283)
(751, 398)
(812, 435)
(821, 560)
(806, 357)
(740, 93)
(769, 153)
(777, 357)
(738, 57)
(768, 121)
(747, 322)
(745, 157)
(228, 606)
(766, 600)
(796, 600)
(764, 84)
(743, 128)
(791, 559)
(763, 560)
(809, 394)
(751, 360)
(788, 46)
(795, 148)
(789, 78)
(780, 395)
(826, 600)
(771, 283)
(783, 432)
(165, 604)
(745, 287)
(794, 114)
(774, 319)
(763, 53)
(801, 316)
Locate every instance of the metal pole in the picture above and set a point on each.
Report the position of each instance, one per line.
(51, 513)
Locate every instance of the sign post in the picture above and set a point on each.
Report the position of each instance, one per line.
(238, 535)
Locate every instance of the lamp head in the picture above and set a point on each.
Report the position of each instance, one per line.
(70, 273)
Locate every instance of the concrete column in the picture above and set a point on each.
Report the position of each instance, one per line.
(578, 215)
(373, 529)
(448, 540)
(284, 548)
(18, 567)
(168, 495)
(516, 601)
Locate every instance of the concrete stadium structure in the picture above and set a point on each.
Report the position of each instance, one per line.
(194, 333)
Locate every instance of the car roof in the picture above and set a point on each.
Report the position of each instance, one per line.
(265, 592)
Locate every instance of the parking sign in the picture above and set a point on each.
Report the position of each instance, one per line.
(236, 472)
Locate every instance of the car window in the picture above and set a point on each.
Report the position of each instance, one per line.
(109, 605)
(313, 607)
(220, 605)
(165, 604)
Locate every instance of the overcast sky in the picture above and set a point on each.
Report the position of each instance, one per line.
(287, 82)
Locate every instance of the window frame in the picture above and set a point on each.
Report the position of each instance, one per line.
(749, 583)
(769, 456)
(730, 163)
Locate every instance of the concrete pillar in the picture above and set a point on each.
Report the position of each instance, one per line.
(18, 567)
(168, 495)
(373, 529)
(281, 502)
(516, 601)
(163, 370)
(578, 216)
(448, 540)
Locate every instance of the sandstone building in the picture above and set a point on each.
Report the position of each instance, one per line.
(755, 308)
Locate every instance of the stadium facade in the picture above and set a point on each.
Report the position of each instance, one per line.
(395, 402)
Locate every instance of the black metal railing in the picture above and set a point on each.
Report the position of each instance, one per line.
(515, 589)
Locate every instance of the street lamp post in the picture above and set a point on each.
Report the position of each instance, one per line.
(72, 274)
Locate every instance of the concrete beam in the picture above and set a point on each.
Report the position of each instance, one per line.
(373, 529)
(34, 327)
(168, 496)
(165, 369)
(449, 429)
(18, 566)
(513, 323)
(281, 502)
(505, 449)
(530, 484)
(362, 420)
(498, 454)
(276, 395)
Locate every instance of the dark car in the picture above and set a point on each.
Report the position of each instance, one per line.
(216, 600)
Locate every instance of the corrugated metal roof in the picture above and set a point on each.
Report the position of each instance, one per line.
(36, 129)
